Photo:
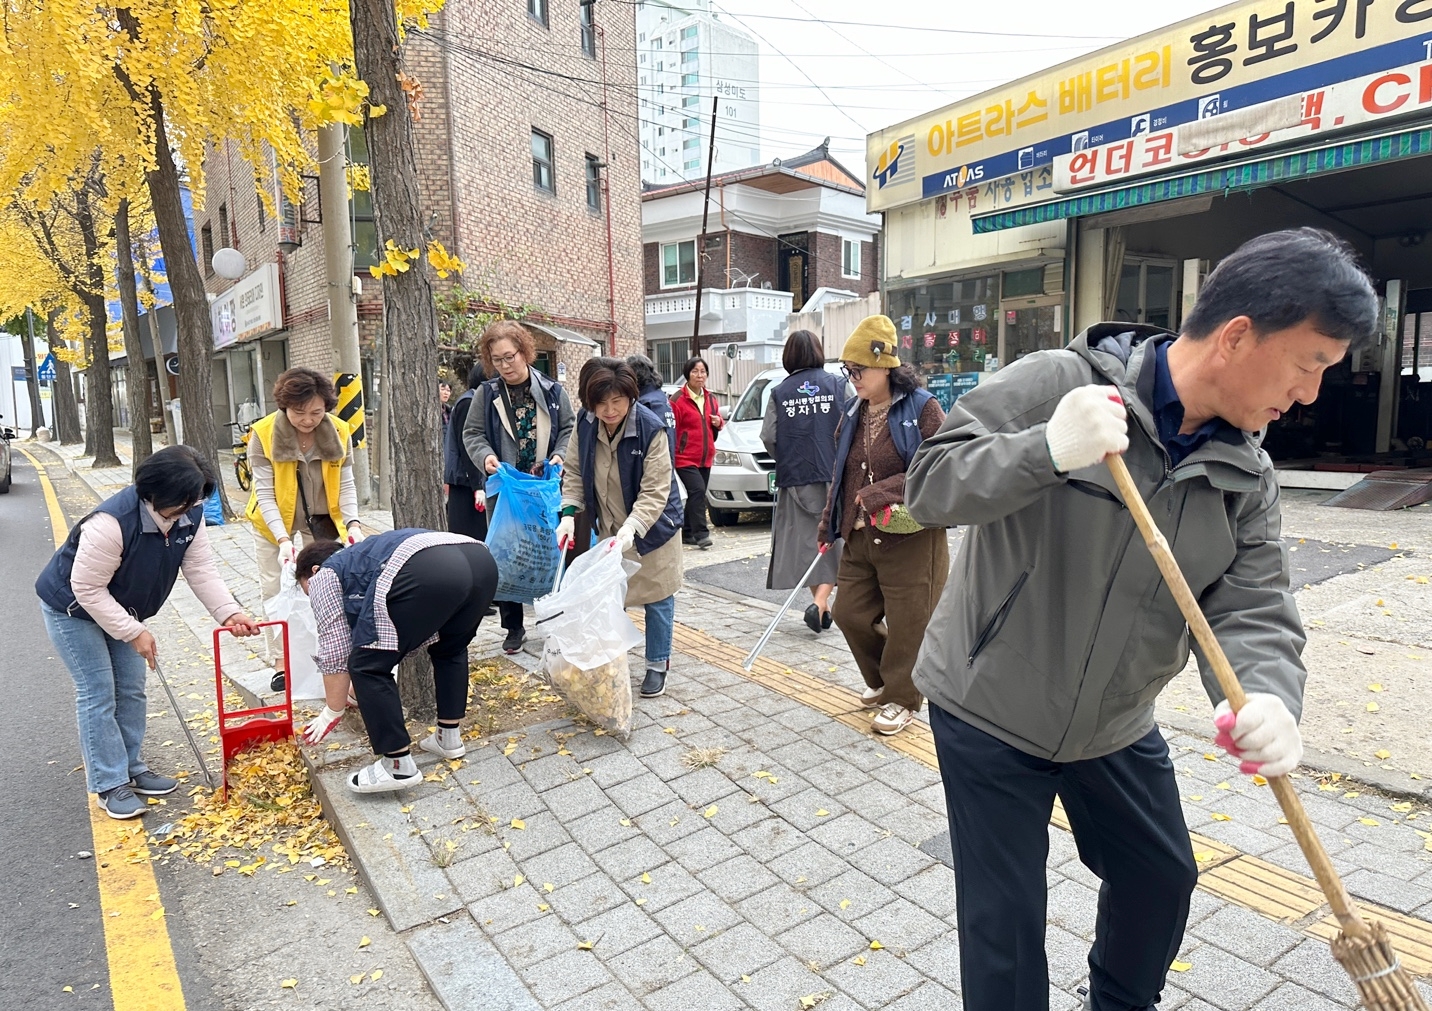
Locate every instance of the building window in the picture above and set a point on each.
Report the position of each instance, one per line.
(694, 163)
(263, 214)
(537, 11)
(678, 263)
(690, 102)
(849, 258)
(689, 32)
(669, 357)
(225, 236)
(656, 43)
(360, 206)
(594, 182)
(689, 79)
(690, 143)
(206, 247)
(543, 176)
(691, 123)
(588, 31)
(688, 56)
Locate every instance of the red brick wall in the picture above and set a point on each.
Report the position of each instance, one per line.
(825, 266)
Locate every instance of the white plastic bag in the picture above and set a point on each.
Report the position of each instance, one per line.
(588, 635)
(292, 605)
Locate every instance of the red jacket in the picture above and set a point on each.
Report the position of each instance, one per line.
(695, 435)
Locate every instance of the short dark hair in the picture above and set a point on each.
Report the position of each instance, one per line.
(647, 378)
(1283, 278)
(298, 386)
(804, 350)
(315, 554)
(475, 376)
(905, 379)
(175, 476)
(444, 382)
(601, 378)
(691, 363)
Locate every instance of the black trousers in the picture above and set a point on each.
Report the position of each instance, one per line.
(695, 479)
(1127, 823)
(462, 517)
(442, 590)
(509, 611)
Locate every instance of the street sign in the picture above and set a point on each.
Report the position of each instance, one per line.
(18, 373)
(47, 369)
(171, 365)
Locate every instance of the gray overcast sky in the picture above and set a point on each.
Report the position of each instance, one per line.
(912, 64)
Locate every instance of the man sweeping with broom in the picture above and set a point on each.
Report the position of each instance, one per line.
(1056, 631)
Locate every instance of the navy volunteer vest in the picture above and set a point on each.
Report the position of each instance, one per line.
(147, 569)
(808, 406)
(904, 421)
(659, 404)
(357, 567)
(543, 389)
(631, 463)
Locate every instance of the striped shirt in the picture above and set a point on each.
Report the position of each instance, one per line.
(325, 592)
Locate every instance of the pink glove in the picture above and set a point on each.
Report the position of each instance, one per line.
(479, 500)
(321, 726)
(1263, 734)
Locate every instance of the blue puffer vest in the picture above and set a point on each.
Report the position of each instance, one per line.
(904, 421)
(641, 428)
(659, 404)
(147, 570)
(357, 567)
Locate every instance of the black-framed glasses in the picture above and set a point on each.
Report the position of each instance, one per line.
(506, 359)
(852, 371)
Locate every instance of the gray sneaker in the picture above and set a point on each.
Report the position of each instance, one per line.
(151, 784)
(121, 803)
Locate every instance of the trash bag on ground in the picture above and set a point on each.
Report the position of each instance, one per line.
(214, 510)
(292, 605)
(588, 635)
(521, 532)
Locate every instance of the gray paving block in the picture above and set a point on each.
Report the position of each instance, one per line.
(833, 736)
(1251, 937)
(648, 967)
(1291, 997)
(696, 918)
(586, 747)
(515, 801)
(823, 940)
(891, 861)
(736, 952)
(745, 691)
(852, 895)
(702, 787)
(1074, 907)
(1407, 866)
(846, 835)
(933, 890)
(669, 884)
(741, 719)
(699, 990)
(780, 986)
(932, 797)
(769, 839)
(1068, 957)
(602, 828)
(710, 703)
(552, 770)
(479, 876)
(648, 740)
(670, 822)
(801, 719)
(491, 770)
(465, 969)
(835, 777)
(667, 764)
(611, 769)
(807, 866)
(902, 926)
(914, 823)
(685, 724)
(607, 997)
(769, 704)
(1404, 896)
(585, 898)
(787, 783)
(543, 832)
(873, 800)
(573, 800)
(619, 929)
(882, 980)
(630, 858)
(778, 908)
(560, 866)
(1226, 980)
(640, 795)
(799, 756)
(739, 812)
(939, 961)
(508, 908)
(803, 809)
(867, 755)
(397, 866)
(530, 943)
(703, 848)
(564, 976)
(736, 878)
(928, 997)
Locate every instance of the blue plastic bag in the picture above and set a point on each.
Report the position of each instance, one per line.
(213, 511)
(521, 534)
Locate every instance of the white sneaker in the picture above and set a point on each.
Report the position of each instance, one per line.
(869, 697)
(432, 745)
(891, 719)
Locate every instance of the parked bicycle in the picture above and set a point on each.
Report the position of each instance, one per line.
(242, 470)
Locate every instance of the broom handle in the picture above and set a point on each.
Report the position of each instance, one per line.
(1317, 857)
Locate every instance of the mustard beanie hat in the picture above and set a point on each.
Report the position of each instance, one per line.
(872, 344)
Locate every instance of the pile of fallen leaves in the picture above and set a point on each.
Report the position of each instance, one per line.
(502, 696)
(271, 815)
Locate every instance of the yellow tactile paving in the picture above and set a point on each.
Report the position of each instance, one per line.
(1233, 876)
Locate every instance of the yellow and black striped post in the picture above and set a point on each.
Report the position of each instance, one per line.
(350, 404)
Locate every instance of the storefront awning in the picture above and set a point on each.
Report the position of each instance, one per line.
(562, 334)
(1248, 175)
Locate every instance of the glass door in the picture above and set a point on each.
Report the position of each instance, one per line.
(1148, 293)
(1030, 324)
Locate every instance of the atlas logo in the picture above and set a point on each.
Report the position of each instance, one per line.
(888, 167)
(963, 176)
(809, 388)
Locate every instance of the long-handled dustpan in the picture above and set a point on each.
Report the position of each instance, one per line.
(1362, 948)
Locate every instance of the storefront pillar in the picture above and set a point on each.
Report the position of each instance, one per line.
(1089, 278)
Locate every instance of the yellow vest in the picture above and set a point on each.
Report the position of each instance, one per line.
(285, 480)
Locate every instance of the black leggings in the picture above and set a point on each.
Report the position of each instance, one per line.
(444, 589)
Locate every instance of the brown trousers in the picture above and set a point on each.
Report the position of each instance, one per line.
(886, 589)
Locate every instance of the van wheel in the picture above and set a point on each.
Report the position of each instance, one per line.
(724, 517)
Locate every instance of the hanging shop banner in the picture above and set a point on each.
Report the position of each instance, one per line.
(1239, 56)
(250, 308)
(1298, 118)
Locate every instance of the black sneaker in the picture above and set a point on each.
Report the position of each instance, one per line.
(277, 682)
(704, 542)
(513, 642)
(654, 684)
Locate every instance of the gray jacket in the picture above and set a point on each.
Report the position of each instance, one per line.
(1056, 632)
(552, 433)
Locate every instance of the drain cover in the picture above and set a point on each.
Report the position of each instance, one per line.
(1384, 490)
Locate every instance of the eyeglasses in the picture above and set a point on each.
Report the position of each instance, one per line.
(174, 514)
(852, 371)
(506, 359)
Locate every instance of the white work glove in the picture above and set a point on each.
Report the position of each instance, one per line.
(479, 500)
(355, 533)
(321, 726)
(286, 553)
(1263, 734)
(566, 532)
(1089, 424)
(626, 536)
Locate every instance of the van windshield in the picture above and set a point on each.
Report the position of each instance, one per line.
(752, 405)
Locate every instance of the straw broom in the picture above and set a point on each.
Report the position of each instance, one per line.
(1362, 948)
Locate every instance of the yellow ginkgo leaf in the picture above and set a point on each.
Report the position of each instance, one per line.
(1178, 966)
(548, 887)
(1376, 686)
(1209, 756)
(876, 946)
(377, 975)
(745, 979)
(355, 980)
(645, 878)
(584, 945)
(858, 960)
(1373, 707)
(518, 824)
(1402, 808)
(625, 823)
(1371, 822)
(288, 984)
(821, 813)
(365, 941)
(542, 907)
(844, 903)
(710, 812)
(1384, 754)
(518, 880)
(1220, 817)
(1260, 780)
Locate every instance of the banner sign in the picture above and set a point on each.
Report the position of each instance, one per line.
(1239, 56)
(250, 308)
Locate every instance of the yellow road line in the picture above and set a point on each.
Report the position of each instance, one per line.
(142, 972)
(1235, 877)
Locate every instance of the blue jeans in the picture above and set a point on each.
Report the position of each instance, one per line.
(109, 698)
(660, 617)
